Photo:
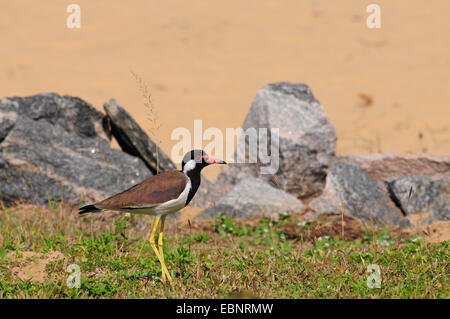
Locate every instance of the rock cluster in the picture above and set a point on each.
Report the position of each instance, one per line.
(373, 187)
(58, 147)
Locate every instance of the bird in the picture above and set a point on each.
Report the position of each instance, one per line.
(159, 196)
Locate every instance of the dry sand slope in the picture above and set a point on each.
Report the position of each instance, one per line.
(384, 89)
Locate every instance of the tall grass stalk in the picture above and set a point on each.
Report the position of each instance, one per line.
(152, 113)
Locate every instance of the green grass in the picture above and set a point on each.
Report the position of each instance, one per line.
(222, 258)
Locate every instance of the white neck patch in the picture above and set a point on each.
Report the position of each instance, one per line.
(189, 166)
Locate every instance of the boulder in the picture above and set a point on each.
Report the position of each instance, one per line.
(351, 191)
(252, 197)
(306, 141)
(423, 199)
(387, 166)
(133, 140)
(57, 147)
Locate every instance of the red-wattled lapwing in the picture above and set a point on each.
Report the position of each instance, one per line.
(159, 195)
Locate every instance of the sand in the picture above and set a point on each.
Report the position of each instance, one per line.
(384, 89)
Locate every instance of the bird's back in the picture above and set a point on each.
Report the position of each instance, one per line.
(154, 190)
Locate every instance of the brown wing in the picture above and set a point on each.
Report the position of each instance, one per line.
(152, 191)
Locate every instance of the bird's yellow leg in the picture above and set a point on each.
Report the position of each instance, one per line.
(161, 252)
(152, 237)
(152, 241)
(155, 249)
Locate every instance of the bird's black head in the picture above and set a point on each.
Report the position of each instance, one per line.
(195, 160)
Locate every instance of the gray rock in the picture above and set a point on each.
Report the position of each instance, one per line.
(428, 198)
(350, 190)
(7, 121)
(57, 147)
(133, 140)
(387, 166)
(307, 140)
(252, 197)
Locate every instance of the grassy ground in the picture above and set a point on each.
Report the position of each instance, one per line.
(283, 258)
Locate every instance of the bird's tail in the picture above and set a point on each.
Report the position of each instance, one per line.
(89, 209)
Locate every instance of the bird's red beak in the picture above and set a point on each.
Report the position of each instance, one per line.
(211, 160)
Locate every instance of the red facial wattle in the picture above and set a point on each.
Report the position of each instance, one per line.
(209, 160)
